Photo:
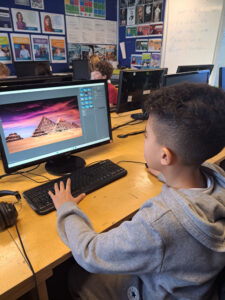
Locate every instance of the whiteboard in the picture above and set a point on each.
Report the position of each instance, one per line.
(191, 30)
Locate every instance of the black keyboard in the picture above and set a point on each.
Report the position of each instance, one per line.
(84, 180)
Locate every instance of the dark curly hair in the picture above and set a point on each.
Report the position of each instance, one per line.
(190, 120)
(105, 68)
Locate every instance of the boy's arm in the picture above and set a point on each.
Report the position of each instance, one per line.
(133, 247)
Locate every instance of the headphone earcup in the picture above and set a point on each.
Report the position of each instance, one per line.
(8, 215)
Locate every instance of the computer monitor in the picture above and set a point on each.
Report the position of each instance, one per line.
(190, 68)
(49, 122)
(197, 77)
(32, 68)
(135, 86)
(34, 80)
(81, 69)
(222, 78)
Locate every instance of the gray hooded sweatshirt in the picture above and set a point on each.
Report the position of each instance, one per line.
(175, 243)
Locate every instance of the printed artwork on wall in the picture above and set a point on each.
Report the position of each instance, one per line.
(5, 53)
(86, 8)
(52, 23)
(58, 49)
(25, 20)
(38, 4)
(21, 47)
(5, 19)
(40, 47)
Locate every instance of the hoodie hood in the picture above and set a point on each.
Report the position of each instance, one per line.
(202, 211)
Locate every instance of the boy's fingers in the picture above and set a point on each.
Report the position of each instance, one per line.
(68, 185)
(56, 187)
(80, 197)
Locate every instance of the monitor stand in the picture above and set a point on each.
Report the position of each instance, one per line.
(64, 164)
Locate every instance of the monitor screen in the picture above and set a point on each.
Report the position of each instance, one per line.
(135, 86)
(222, 78)
(45, 122)
(32, 68)
(81, 69)
(194, 68)
(198, 76)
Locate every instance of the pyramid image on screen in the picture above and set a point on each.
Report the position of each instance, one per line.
(13, 137)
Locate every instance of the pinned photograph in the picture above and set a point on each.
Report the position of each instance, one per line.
(141, 45)
(25, 20)
(140, 14)
(136, 60)
(52, 23)
(154, 44)
(156, 29)
(131, 15)
(40, 47)
(143, 30)
(74, 51)
(38, 4)
(148, 13)
(22, 2)
(157, 11)
(58, 49)
(123, 16)
(155, 61)
(131, 31)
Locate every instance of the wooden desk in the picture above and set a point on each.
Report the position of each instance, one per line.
(105, 207)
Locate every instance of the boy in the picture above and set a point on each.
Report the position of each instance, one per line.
(104, 70)
(174, 246)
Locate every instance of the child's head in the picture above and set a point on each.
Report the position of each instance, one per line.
(4, 71)
(103, 70)
(186, 124)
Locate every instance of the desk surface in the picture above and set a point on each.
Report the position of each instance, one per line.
(105, 207)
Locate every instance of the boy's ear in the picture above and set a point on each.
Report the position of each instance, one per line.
(167, 156)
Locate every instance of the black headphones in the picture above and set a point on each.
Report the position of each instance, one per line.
(8, 212)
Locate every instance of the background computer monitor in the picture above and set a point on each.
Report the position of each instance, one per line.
(32, 68)
(135, 86)
(81, 69)
(49, 122)
(197, 77)
(194, 68)
(222, 78)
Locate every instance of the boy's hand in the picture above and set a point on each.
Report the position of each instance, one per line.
(63, 194)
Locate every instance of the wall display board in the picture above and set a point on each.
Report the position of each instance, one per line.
(191, 30)
(86, 8)
(140, 19)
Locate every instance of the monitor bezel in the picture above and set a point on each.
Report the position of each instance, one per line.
(184, 74)
(221, 71)
(207, 67)
(139, 105)
(36, 162)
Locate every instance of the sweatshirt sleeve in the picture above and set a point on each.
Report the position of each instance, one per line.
(133, 247)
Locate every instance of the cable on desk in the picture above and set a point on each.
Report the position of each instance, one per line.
(132, 122)
(122, 136)
(131, 161)
(120, 116)
(16, 173)
(27, 261)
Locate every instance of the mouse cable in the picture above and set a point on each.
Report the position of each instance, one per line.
(127, 123)
(16, 173)
(24, 254)
(122, 136)
(131, 161)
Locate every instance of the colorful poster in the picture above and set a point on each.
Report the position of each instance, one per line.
(38, 4)
(131, 31)
(146, 60)
(25, 20)
(72, 7)
(21, 46)
(155, 61)
(141, 45)
(22, 2)
(110, 52)
(123, 3)
(58, 49)
(143, 30)
(5, 20)
(74, 51)
(86, 9)
(40, 47)
(123, 16)
(136, 60)
(87, 51)
(154, 44)
(5, 54)
(156, 29)
(52, 23)
(131, 15)
(99, 50)
(99, 9)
